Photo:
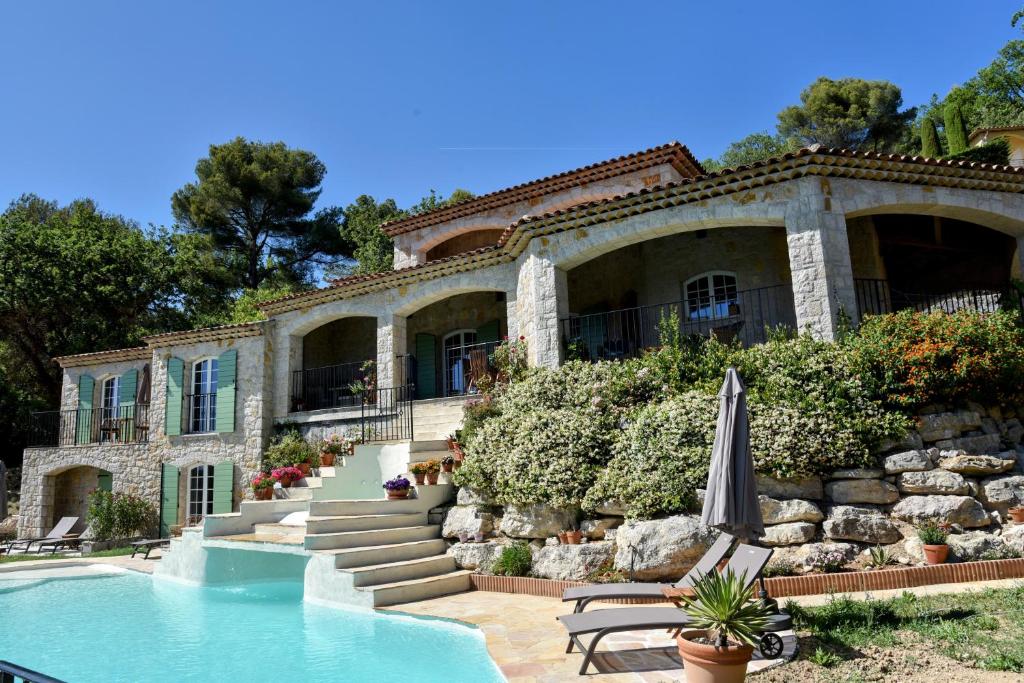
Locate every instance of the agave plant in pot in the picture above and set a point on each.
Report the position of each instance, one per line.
(726, 621)
(933, 541)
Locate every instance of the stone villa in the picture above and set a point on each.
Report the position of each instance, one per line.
(581, 264)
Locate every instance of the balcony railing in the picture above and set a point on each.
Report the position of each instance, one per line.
(745, 316)
(327, 387)
(386, 414)
(464, 366)
(875, 297)
(112, 425)
(200, 413)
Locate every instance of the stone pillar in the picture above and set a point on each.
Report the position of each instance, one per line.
(819, 264)
(391, 343)
(1017, 269)
(542, 298)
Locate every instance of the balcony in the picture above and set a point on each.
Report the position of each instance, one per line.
(875, 297)
(327, 387)
(84, 426)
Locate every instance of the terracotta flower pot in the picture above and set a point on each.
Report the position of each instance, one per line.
(420, 477)
(1017, 514)
(285, 481)
(936, 554)
(457, 451)
(303, 467)
(710, 664)
(561, 538)
(447, 467)
(327, 459)
(573, 537)
(264, 494)
(432, 478)
(399, 494)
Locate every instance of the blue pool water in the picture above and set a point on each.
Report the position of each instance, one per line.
(130, 627)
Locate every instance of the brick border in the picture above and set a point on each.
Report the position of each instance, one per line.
(812, 584)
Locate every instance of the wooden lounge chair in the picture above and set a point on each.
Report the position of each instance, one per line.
(60, 529)
(66, 541)
(147, 546)
(748, 561)
(584, 595)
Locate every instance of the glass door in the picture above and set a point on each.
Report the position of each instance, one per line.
(456, 361)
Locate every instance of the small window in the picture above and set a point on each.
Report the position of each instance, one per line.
(200, 493)
(711, 296)
(203, 401)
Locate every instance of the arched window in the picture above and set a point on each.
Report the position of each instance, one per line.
(109, 407)
(203, 402)
(200, 493)
(711, 296)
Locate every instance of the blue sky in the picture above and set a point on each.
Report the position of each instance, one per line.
(117, 100)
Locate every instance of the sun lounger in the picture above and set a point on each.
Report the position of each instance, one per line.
(60, 529)
(584, 595)
(147, 546)
(748, 561)
(55, 544)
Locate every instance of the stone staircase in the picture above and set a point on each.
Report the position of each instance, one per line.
(436, 418)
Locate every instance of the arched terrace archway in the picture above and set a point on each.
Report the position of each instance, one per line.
(71, 488)
(336, 358)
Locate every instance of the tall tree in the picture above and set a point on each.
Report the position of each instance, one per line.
(930, 146)
(754, 147)
(255, 201)
(956, 129)
(373, 250)
(850, 113)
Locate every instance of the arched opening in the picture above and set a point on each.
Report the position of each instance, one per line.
(463, 242)
(732, 283)
(927, 262)
(337, 363)
(451, 341)
(71, 489)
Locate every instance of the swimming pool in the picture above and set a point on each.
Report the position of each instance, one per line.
(130, 627)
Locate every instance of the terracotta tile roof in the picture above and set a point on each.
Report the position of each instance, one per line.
(995, 129)
(97, 357)
(217, 333)
(672, 153)
(814, 160)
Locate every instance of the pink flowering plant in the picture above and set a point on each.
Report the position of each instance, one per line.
(290, 471)
(263, 481)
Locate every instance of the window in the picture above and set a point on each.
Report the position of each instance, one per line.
(711, 296)
(200, 493)
(109, 408)
(203, 401)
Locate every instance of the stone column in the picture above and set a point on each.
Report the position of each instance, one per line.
(1017, 270)
(542, 298)
(391, 343)
(819, 264)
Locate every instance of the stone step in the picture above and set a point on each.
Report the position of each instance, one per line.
(293, 493)
(345, 558)
(419, 589)
(310, 482)
(428, 497)
(297, 530)
(401, 570)
(360, 539)
(335, 523)
(428, 445)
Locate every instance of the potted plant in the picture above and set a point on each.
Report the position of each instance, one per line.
(726, 620)
(433, 470)
(1017, 514)
(573, 536)
(562, 538)
(455, 447)
(447, 463)
(263, 487)
(933, 538)
(331, 447)
(286, 475)
(397, 488)
(419, 470)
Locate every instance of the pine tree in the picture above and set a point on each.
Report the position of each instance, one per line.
(956, 131)
(930, 145)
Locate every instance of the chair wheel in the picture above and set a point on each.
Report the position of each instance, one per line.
(771, 645)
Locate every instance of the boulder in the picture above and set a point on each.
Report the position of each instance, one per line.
(536, 521)
(775, 511)
(1013, 538)
(866, 525)
(793, 533)
(848, 550)
(665, 548)
(912, 440)
(466, 519)
(1012, 431)
(962, 510)
(571, 562)
(857, 474)
(907, 461)
(803, 487)
(477, 556)
(971, 545)
(874, 491)
(938, 426)
(1002, 493)
(595, 529)
(469, 496)
(975, 465)
(613, 508)
(982, 443)
(934, 481)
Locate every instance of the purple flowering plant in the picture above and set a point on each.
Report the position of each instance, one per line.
(397, 484)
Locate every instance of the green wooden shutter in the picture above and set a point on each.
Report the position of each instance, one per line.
(488, 332)
(226, 363)
(83, 418)
(105, 481)
(426, 366)
(223, 487)
(168, 499)
(175, 386)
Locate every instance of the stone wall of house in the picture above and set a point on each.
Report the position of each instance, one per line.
(99, 372)
(963, 467)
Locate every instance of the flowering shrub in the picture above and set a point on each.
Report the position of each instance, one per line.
(397, 484)
(290, 472)
(289, 449)
(509, 358)
(825, 560)
(119, 515)
(335, 444)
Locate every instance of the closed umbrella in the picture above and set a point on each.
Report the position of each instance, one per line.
(730, 503)
(142, 395)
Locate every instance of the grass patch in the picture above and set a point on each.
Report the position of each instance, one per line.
(980, 629)
(113, 552)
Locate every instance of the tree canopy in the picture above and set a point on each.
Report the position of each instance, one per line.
(255, 201)
(754, 147)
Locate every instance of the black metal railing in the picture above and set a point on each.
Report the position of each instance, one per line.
(875, 297)
(200, 413)
(327, 387)
(121, 424)
(12, 673)
(746, 316)
(464, 366)
(387, 414)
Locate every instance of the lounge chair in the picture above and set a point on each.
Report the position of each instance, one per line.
(584, 595)
(64, 526)
(748, 561)
(147, 546)
(68, 541)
